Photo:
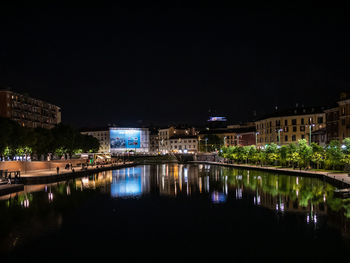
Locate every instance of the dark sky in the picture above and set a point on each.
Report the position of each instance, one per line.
(122, 64)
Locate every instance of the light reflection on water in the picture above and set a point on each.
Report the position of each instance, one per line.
(309, 197)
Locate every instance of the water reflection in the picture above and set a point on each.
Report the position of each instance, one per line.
(311, 199)
(130, 182)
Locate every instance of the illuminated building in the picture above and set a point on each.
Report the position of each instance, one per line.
(120, 140)
(102, 135)
(27, 111)
(344, 116)
(231, 136)
(178, 139)
(289, 126)
(332, 124)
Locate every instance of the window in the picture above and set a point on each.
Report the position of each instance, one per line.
(302, 121)
(294, 137)
(302, 128)
(294, 122)
(343, 122)
(286, 129)
(343, 111)
(303, 136)
(286, 122)
(286, 138)
(278, 123)
(320, 120)
(294, 128)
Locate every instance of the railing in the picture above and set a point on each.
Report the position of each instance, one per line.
(10, 175)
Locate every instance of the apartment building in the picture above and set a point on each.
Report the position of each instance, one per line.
(102, 135)
(289, 126)
(27, 111)
(176, 136)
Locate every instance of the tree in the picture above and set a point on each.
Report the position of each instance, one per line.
(346, 143)
(317, 158)
(283, 154)
(294, 158)
(305, 152)
(271, 151)
(252, 154)
(211, 143)
(333, 154)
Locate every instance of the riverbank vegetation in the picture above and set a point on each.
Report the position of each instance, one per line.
(17, 142)
(334, 156)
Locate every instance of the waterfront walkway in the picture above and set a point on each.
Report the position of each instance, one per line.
(51, 175)
(341, 179)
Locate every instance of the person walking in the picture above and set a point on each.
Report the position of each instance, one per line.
(58, 169)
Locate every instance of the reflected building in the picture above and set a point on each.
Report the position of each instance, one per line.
(128, 182)
(176, 179)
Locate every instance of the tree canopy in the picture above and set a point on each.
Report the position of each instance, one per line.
(16, 140)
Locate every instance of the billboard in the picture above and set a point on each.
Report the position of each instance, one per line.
(125, 138)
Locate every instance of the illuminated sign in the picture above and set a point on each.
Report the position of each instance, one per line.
(217, 119)
(125, 138)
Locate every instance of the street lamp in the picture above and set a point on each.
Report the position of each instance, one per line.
(256, 138)
(310, 127)
(224, 141)
(279, 136)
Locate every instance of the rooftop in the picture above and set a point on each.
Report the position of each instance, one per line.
(295, 112)
(226, 130)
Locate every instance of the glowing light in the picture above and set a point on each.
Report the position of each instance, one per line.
(239, 193)
(217, 197)
(50, 197)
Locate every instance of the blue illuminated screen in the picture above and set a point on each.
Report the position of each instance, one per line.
(126, 139)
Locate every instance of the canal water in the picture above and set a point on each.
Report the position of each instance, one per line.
(175, 212)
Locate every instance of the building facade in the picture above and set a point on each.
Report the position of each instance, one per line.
(176, 132)
(344, 119)
(121, 140)
(183, 144)
(231, 136)
(28, 112)
(289, 126)
(332, 124)
(102, 135)
(124, 140)
(154, 142)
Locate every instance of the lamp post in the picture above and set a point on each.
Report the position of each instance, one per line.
(279, 136)
(224, 141)
(310, 128)
(206, 144)
(256, 139)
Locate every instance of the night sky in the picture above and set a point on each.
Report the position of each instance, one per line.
(127, 65)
